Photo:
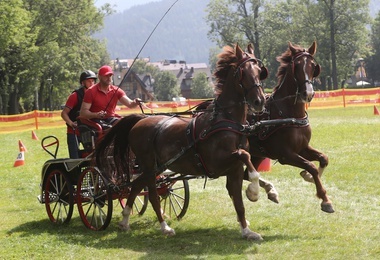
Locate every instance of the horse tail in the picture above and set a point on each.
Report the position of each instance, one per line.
(115, 144)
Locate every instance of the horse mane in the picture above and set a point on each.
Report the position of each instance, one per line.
(226, 60)
(285, 59)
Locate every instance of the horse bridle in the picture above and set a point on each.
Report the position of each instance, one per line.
(296, 57)
(292, 64)
(239, 71)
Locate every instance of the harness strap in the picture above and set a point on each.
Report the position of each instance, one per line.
(271, 129)
(193, 139)
(221, 125)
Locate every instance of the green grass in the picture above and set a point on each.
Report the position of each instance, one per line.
(294, 229)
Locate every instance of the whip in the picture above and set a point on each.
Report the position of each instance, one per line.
(146, 41)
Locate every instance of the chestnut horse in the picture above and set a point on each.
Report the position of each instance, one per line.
(289, 144)
(213, 143)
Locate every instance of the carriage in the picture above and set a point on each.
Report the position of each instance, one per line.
(66, 182)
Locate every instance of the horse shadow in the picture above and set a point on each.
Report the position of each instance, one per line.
(197, 241)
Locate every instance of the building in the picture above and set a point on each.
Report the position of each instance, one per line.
(143, 85)
(184, 73)
(134, 85)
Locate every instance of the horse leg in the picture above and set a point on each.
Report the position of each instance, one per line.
(234, 185)
(155, 202)
(137, 186)
(269, 189)
(298, 161)
(312, 154)
(252, 191)
(266, 185)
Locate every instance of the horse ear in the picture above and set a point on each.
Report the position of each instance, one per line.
(263, 73)
(313, 48)
(291, 48)
(239, 52)
(317, 71)
(250, 49)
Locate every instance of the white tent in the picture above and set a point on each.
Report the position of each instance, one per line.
(362, 83)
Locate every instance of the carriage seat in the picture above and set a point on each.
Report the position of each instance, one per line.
(89, 132)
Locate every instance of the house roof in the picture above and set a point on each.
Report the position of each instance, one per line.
(175, 66)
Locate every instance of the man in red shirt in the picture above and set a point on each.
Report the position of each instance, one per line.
(71, 111)
(100, 100)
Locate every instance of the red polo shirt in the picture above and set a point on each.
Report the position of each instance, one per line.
(100, 100)
(71, 103)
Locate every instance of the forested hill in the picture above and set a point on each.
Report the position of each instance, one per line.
(182, 34)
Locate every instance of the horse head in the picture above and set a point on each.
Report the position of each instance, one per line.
(304, 69)
(238, 78)
(249, 73)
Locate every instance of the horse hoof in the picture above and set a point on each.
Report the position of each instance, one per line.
(327, 207)
(252, 196)
(169, 232)
(273, 197)
(253, 236)
(307, 176)
(124, 227)
(252, 192)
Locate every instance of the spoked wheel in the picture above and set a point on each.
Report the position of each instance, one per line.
(94, 200)
(174, 196)
(140, 204)
(58, 197)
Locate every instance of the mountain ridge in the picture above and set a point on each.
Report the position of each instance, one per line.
(181, 35)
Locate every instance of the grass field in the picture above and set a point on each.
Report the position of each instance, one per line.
(294, 229)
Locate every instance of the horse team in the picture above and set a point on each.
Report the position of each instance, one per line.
(214, 143)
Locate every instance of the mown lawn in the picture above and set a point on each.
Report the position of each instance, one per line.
(294, 229)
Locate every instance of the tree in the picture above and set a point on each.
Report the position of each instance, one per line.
(142, 67)
(200, 87)
(213, 58)
(234, 21)
(338, 26)
(165, 87)
(373, 61)
(50, 43)
(14, 38)
(345, 24)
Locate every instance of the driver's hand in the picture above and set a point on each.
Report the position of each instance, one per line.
(102, 114)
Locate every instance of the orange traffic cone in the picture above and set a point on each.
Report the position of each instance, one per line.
(264, 165)
(34, 136)
(375, 111)
(21, 146)
(20, 160)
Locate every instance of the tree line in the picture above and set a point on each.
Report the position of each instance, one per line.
(44, 46)
(341, 29)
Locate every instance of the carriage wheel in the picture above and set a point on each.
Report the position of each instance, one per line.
(94, 200)
(175, 199)
(140, 204)
(58, 197)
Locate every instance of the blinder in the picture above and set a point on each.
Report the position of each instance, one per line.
(263, 73)
(317, 70)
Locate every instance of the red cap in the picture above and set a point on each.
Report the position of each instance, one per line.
(105, 71)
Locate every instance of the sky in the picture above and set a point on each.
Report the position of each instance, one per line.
(121, 5)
